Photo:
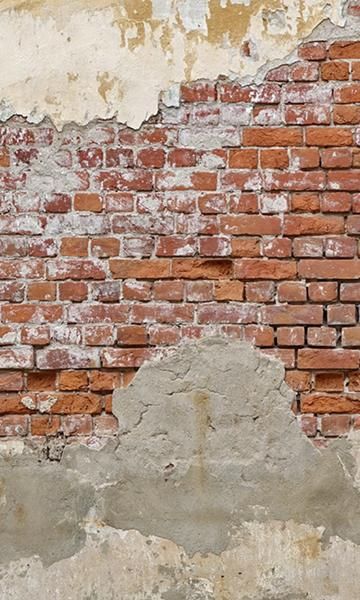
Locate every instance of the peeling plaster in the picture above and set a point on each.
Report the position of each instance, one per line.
(210, 491)
(81, 60)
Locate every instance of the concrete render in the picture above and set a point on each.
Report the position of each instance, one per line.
(210, 491)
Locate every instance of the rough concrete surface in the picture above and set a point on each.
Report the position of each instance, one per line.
(114, 58)
(210, 491)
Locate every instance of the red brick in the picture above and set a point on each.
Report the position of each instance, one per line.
(336, 358)
(198, 92)
(200, 291)
(336, 202)
(248, 268)
(14, 425)
(260, 335)
(119, 157)
(347, 93)
(290, 336)
(88, 202)
(307, 114)
(312, 225)
(346, 114)
(321, 336)
(299, 381)
(77, 425)
(274, 158)
(212, 203)
(292, 315)
(335, 70)
(324, 291)
(74, 246)
(168, 290)
(243, 159)
(78, 403)
(305, 158)
(104, 381)
(36, 336)
(126, 358)
(45, 425)
(32, 313)
(329, 269)
(160, 335)
(336, 158)
(328, 136)
(137, 290)
(294, 180)
(182, 157)
(67, 358)
(196, 268)
(335, 425)
(321, 403)
(354, 381)
(227, 313)
(272, 136)
(139, 269)
(105, 425)
(250, 225)
(350, 292)
(340, 247)
(41, 291)
(260, 291)
(76, 268)
(305, 202)
(132, 180)
(99, 335)
(353, 225)
(245, 247)
(308, 424)
(132, 335)
(151, 158)
(330, 382)
(278, 248)
(344, 49)
(76, 291)
(176, 246)
(308, 247)
(11, 381)
(291, 291)
(41, 381)
(350, 336)
(312, 51)
(229, 290)
(73, 380)
(304, 71)
(269, 93)
(90, 158)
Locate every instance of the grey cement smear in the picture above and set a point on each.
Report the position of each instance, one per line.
(210, 491)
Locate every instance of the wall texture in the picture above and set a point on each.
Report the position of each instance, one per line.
(77, 60)
(172, 171)
(237, 213)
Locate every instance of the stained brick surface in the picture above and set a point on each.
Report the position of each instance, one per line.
(237, 214)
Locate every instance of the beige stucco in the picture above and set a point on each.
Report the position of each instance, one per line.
(77, 60)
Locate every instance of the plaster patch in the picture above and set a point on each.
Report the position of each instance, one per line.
(111, 59)
(210, 491)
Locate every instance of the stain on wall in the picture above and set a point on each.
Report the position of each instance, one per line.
(209, 491)
(81, 60)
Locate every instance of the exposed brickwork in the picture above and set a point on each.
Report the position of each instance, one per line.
(237, 213)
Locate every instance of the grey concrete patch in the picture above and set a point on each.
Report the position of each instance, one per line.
(209, 492)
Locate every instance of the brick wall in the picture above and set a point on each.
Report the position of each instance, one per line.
(236, 214)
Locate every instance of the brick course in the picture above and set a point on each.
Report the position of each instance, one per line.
(235, 214)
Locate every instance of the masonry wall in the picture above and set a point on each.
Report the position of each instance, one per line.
(235, 214)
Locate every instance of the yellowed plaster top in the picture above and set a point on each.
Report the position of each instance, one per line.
(77, 60)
